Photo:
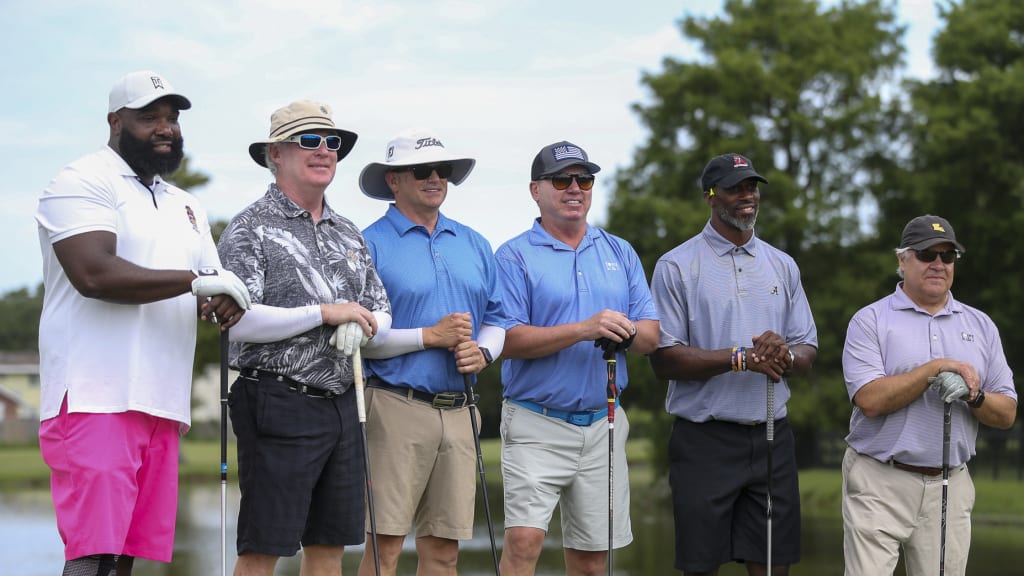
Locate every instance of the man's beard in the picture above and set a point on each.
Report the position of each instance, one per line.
(745, 224)
(139, 154)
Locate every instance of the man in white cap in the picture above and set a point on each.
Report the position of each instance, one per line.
(576, 297)
(448, 325)
(125, 254)
(316, 298)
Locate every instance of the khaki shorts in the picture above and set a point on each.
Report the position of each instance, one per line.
(423, 466)
(546, 462)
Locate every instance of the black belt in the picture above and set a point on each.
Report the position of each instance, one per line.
(443, 400)
(927, 471)
(312, 392)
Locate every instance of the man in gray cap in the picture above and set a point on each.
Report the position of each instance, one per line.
(734, 319)
(125, 253)
(316, 298)
(576, 298)
(908, 357)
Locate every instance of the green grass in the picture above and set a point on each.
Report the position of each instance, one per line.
(998, 501)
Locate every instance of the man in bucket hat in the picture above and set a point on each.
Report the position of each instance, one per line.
(908, 358)
(575, 296)
(734, 316)
(124, 251)
(448, 325)
(316, 298)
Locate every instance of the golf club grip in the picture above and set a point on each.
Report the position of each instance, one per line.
(613, 393)
(770, 416)
(357, 377)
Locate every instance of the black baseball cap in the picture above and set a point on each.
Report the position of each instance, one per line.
(556, 157)
(926, 231)
(727, 171)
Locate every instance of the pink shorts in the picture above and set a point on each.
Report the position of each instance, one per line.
(114, 479)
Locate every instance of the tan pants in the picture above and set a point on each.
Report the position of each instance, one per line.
(886, 509)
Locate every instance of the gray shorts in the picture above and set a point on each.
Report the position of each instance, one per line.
(546, 462)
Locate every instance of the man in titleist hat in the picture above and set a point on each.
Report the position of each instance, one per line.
(733, 316)
(125, 254)
(316, 298)
(907, 357)
(448, 325)
(576, 296)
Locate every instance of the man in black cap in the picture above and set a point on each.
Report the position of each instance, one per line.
(906, 357)
(573, 293)
(735, 324)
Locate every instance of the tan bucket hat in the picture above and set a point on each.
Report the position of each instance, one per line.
(297, 118)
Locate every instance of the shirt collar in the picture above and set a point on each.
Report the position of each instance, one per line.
(901, 301)
(722, 246)
(125, 170)
(293, 210)
(403, 225)
(540, 237)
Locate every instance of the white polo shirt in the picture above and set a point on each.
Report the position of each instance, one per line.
(117, 357)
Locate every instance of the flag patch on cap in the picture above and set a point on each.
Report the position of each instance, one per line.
(567, 151)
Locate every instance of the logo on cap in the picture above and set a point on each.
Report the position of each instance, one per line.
(423, 142)
(158, 82)
(739, 161)
(568, 151)
(936, 227)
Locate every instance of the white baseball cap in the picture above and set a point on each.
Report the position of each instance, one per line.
(138, 89)
(412, 147)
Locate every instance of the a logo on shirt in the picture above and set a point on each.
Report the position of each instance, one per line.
(775, 291)
(611, 266)
(967, 337)
(192, 218)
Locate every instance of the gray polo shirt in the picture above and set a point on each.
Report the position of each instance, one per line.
(712, 294)
(893, 336)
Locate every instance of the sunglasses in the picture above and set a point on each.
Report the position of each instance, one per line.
(313, 141)
(563, 181)
(423, 171)
(947, 256)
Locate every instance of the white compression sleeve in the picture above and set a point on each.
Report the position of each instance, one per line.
(492, 338)
(394, 342)
(270, 323)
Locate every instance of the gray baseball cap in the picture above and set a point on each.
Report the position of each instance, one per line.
(556, 157)
(926, 231)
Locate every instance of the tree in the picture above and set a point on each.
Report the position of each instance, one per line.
(799, 89)
(20, 310)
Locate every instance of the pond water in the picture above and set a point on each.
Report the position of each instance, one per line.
(30, 545)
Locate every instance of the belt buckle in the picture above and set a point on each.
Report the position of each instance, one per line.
(329, 394)
(582, 419)
(444, 400)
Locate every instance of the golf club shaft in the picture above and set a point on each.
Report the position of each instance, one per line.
(223, 452)
(770, 433)
(470, 400)
(359, 383)
(947, 419)
(613, 392)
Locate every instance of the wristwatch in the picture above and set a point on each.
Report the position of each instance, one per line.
(487, 355)
(978, 400)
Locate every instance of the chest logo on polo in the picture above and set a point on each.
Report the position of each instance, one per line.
(611, 266)
(192, 218)
(967, 337)
(774, 291)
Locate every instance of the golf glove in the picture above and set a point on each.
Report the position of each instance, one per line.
(214, 281)
(950, 385)
(611, 347)
(348, 337)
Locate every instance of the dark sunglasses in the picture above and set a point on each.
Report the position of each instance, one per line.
(313, 141)
(563, 181)
(948, 256)
(423, 171)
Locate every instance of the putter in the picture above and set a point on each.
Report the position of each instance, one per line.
(471, 401)
(223, 452)
(357, 369)
(610, 364)
(770, 427)
(946, 421)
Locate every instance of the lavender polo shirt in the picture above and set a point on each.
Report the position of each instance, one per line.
(712, 294)
(893, 336)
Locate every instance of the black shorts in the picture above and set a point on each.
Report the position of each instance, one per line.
(300, 468)
(718, 472)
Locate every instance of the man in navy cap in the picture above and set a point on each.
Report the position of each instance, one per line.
(733, 317)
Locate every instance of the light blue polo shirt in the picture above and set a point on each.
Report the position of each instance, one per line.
(712, 294)
(428, 276)
(544, 282)
(893, 336)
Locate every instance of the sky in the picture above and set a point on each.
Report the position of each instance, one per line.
(496, 80)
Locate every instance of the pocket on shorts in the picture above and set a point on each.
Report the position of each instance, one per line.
(278, 410)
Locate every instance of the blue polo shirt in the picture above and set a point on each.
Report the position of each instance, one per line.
(712, 294)
(428, 276)
(544, 282)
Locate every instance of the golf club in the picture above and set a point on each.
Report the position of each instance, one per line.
(610, 364)
(471, 402)
(357, 369)
(946, 420)
(223, 452)
(770, 427)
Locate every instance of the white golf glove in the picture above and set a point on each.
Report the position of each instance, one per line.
(951, 386)
(214, 281)
(348, 337)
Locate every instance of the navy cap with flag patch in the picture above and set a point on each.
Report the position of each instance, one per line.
(556, 157)
(728, 170)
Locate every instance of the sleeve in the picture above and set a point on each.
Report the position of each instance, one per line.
(241, 252)
(641, 303)
(265, 324)
(74, 204)
(800, 327)
(862, 353)
(513, 286)
(669, 293)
